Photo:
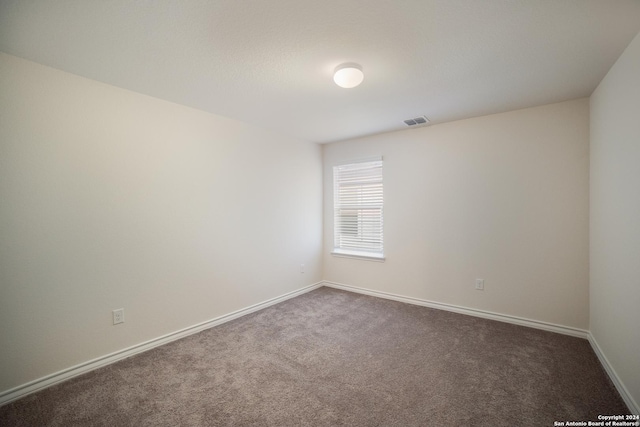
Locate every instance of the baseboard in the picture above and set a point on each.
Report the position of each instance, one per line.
(560, 329)
(633, 406)
(66, 374)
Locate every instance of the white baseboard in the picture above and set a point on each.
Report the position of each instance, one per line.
(633, 406)
(580, 333)
(566, 330)
(57, 377)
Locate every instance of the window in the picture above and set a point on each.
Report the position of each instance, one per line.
(357, 203)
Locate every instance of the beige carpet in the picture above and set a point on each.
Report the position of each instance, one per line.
(333, 358)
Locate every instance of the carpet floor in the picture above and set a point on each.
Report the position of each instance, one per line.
(336, 358)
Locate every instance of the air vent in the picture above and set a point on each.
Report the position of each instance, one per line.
(416, 121)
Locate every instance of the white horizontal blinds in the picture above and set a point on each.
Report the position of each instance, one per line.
(358, 207)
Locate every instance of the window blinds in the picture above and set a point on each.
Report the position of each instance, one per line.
(358, 206)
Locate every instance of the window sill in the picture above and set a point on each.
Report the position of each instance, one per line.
(358, 255)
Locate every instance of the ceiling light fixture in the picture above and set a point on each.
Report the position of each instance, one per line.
(348, 75)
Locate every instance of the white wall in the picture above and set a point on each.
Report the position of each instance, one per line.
(615, 218)
(112, 199)
(501, 197)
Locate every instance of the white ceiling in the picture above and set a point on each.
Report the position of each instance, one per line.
(270, 63)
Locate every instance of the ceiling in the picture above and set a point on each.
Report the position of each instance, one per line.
(270, 63)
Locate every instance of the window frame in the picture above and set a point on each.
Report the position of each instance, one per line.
(343, 177)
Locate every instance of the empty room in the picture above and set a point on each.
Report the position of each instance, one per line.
(335, 213)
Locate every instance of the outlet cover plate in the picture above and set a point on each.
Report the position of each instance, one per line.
(118, 316)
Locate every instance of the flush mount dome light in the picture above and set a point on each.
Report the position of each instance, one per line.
(348, 75)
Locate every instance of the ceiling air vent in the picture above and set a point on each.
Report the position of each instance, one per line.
(416, 121)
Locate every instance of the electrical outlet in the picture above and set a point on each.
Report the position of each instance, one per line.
(480, 284)
(301, 268)
(118, 316)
